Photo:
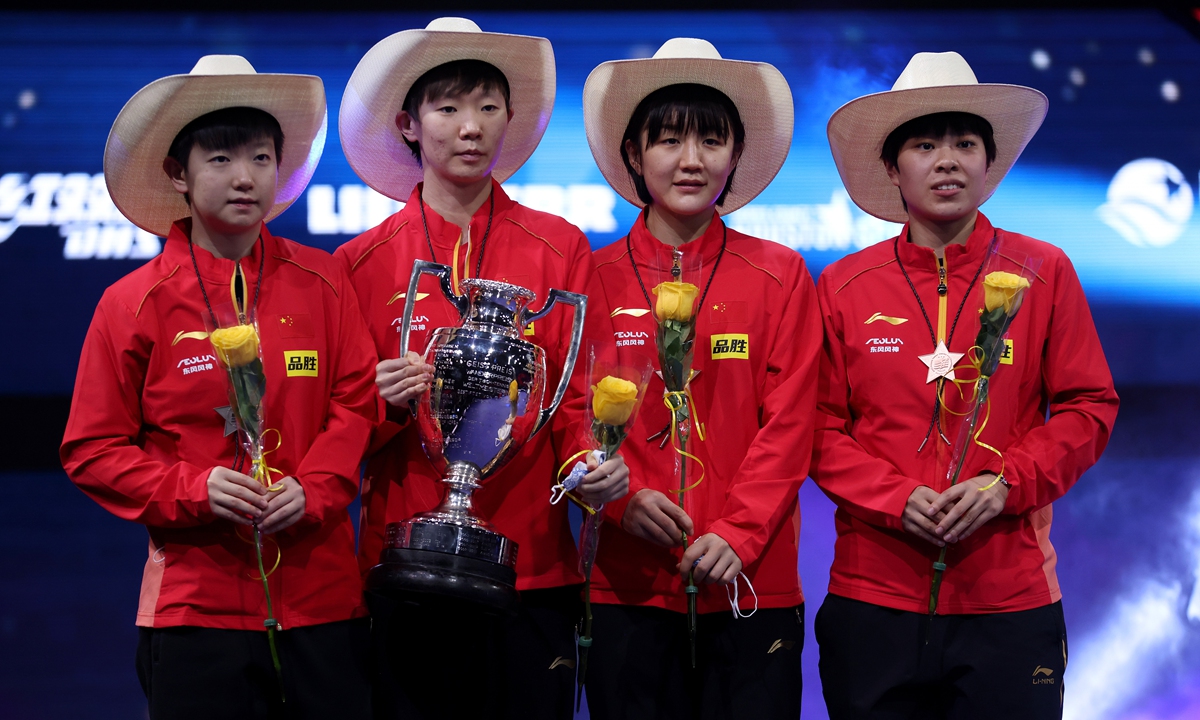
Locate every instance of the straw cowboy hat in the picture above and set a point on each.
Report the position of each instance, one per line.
(143, 132)
(367, 122)
(931, 83)
(760, 93)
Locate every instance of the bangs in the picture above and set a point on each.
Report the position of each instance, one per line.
(227, 129)
(939, 125)
(459, 77)
(683, 109)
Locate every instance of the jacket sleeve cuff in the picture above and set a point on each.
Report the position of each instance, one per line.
(198, 494)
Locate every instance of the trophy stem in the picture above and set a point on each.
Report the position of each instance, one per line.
(462, 479)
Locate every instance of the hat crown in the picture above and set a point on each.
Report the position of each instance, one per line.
(453, 24)
(687, 48)
(927, 69)
(223, 65)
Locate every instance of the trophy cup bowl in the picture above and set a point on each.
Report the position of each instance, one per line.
(485, 402)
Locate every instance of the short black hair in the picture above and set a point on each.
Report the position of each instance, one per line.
(457, 77)
(227, 129)
(682, 108)
(938, 125)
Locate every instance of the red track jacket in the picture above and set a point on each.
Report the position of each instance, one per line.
(758, 339)
(143, 434)
(874, 409)
(525, 247)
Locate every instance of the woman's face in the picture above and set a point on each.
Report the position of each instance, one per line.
(685, 173)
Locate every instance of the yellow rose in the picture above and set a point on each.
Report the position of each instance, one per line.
(613, 400)
(675, 301)
(236, 346)
(1003, 289)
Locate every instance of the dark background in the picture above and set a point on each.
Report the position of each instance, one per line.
(1128, 535)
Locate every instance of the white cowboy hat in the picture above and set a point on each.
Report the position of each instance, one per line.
(143, 132)
(759, 91)
(367, 121)
(931, 83)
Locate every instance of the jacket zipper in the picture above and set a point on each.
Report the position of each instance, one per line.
(942, 290)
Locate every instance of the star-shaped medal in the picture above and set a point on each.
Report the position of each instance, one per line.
(230, 423)
(940, 362)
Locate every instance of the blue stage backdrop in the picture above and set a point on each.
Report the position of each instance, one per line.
(1111, 178)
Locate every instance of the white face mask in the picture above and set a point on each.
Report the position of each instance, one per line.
(572, 480)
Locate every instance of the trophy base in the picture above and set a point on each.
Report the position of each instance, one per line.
(427, 576)
(449, 555)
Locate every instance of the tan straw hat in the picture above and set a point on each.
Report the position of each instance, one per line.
(143, 132)
(931, 83)
(376, 91)
(759, 91)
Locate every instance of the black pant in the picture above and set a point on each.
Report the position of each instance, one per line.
(640, 665)
(881, 663)
(434, 663)
(207, 673)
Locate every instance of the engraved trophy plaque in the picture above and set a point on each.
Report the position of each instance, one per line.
(484, 403)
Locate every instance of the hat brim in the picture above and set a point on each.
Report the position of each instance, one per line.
(859, 128)
(142, 134)
(370, 138)
(759, 91)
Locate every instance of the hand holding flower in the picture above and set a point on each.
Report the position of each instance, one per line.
(285, 506)
(235, 497)
(604, 482)
(718, 563)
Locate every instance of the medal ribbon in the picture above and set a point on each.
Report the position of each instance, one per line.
(975, 361)
(677, 401)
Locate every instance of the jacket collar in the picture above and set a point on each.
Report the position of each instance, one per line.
(651, 252)
(915, 256)
(212, 268)
(445, 234)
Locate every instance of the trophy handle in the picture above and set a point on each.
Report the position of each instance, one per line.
(579, 301)
(442, 272)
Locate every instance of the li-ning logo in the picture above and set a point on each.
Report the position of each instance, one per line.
(560, 660)
(631, 312)
(301, 363)
(886, 318)
(630, 338)
(402, 294)
(1041, 671)
(731, 345)
(418, 322)
(885, 344)
(781, 644)
(196, 363)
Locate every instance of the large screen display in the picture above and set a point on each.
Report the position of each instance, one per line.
(1111, 178)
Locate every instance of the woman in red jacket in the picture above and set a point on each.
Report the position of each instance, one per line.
(669, 133)
(438, 117)
(151, 437)
(928, 153)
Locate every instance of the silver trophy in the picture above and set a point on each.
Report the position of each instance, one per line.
(484, 404)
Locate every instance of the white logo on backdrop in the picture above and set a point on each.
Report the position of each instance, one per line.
(79, 206)
(1149, 203)
(838, 226)
(353, 209)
